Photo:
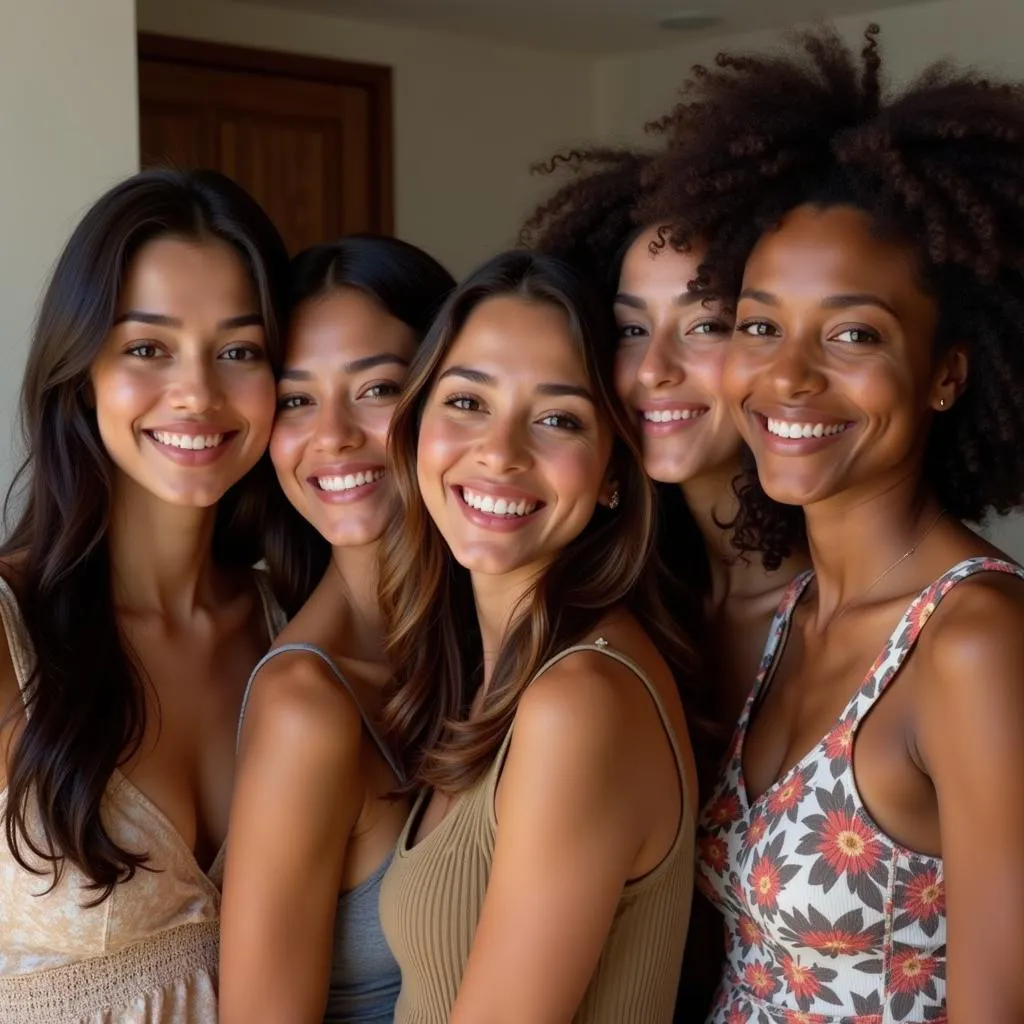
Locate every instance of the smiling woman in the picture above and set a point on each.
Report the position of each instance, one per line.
(877, 373)
(545, 871)
(131, 611)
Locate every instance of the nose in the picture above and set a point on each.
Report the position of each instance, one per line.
(503, 446)
(795, 370)
(661, 365)
(197, 387)
(337, 428)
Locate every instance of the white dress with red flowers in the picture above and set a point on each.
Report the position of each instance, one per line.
(828, 919)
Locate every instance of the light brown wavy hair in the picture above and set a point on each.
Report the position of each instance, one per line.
(433, 638)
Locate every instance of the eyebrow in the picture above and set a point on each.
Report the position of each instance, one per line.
(832, 302)
(487, 380)
(355, 366)
(687, 298)
(160, 320)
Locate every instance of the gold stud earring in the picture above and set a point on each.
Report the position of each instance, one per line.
(942, 403)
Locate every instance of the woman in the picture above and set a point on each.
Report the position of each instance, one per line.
(131, 612)
(671, 350)
(313, 826)
(668, 372)
(544, 874)
(864, 839)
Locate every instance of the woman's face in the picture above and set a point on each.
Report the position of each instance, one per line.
(345, 366)
(832, 374)
(513, 454)
(183, 390)
(669, 363)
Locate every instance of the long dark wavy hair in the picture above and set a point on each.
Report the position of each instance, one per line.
(939, 166)
(433, 636)
(85, 698)
(411, 286)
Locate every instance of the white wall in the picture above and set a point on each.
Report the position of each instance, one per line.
(68, 130)
(635, 89)
(470, 116)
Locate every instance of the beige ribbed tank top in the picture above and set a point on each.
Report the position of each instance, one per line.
(432, 897)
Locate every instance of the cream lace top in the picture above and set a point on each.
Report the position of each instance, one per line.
(148, 953)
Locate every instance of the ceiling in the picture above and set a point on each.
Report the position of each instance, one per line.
(583, 26)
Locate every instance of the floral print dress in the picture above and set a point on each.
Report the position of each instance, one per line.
(828, 919)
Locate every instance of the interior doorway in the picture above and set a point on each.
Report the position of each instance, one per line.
(310, 138)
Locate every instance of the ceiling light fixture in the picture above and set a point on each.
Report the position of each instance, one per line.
(688, 21)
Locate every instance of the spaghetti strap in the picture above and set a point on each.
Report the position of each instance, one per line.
(601, 646)
(17, 640)
(339, 675)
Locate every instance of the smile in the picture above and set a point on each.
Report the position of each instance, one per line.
(789, 429)
(348, 482)
(497, 506)
(187, 442)
(671, 415)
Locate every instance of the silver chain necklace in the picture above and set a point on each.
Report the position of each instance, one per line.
(885, 572)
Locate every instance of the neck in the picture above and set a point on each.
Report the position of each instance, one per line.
(856, 538)
(161, 555)
(712, 500)
(499, 605)
(352, 578)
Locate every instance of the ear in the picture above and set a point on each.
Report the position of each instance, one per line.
(950, 379)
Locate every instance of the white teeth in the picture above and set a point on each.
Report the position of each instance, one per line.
(497, 506)
(668, 415)
(783, 428)
(187, 442)
(349, 481)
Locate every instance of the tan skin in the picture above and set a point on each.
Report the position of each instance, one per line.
(188, 355)
(312, 817)
(672, 350)
(589, 797)
(833, 326)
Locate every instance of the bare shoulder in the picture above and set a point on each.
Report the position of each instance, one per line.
(973, 657)
(297, 704)
(598, 700)
(978, 629)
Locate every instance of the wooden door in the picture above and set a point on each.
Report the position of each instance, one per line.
(309, 138)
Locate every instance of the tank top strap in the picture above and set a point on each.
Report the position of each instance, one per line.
(777, 633)
(905, 636)
(601, 646)
(340, 676)
(17, 639)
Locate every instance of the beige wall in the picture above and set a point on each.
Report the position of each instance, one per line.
(67, 131)
(470, 117)
(987, 33)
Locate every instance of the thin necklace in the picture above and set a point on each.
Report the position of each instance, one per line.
(885, 572)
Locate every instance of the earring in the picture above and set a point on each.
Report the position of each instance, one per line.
(942, 403)
(613, 501)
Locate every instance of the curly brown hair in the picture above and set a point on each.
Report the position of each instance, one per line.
(939, 166)
(592, 218)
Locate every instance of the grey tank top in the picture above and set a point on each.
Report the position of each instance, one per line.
(365, 979)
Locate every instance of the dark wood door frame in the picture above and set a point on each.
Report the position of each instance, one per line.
(375, 79)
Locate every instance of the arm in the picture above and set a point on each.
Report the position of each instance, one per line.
(296, 800)
(573, 816)
(971, 736)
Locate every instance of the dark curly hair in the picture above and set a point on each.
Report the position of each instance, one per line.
(592, 219)
(939, 166)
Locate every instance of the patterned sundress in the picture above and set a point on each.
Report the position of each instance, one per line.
(828, 919)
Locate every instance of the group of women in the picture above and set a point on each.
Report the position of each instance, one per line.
(645, 522)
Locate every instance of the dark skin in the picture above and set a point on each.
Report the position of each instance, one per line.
(834, 327)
